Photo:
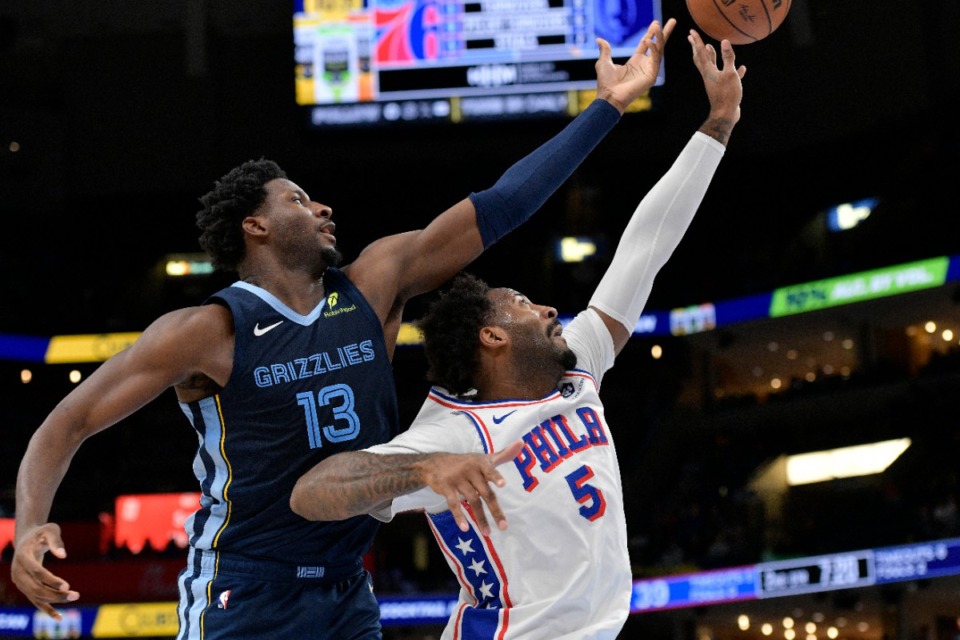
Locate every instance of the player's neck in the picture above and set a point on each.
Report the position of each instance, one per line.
(298, 290)
(516, 385)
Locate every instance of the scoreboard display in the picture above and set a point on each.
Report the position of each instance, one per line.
(824, 573)
(849, 570)
(376, 61)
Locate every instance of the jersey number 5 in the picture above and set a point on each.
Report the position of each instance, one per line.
(340, 398)
(591, 498)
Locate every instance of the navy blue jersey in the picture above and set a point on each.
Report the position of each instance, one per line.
(302, 388)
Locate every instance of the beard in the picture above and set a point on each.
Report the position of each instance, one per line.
(567, 359)
(316, 262)
(538, 354)
(331, 256)
(298, 251)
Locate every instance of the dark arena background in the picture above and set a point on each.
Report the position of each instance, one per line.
(812, 305)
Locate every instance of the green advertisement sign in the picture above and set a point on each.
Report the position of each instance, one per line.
(858, 287)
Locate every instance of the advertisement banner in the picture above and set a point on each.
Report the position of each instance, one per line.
(857, 287)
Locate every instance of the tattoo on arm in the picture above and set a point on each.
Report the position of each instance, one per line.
(718, 128)
(355, 483)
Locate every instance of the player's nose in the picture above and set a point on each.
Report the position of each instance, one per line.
(547, 312)
(322, 210)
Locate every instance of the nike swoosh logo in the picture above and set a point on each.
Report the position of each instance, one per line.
(257, 331)
(499, 419)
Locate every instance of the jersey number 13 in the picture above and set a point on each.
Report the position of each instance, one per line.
(346, 422)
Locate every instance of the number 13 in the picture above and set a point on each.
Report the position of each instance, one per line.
(344, 411)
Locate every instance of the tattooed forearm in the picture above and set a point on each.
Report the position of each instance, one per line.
(354, 483)
(372, 479)
(718, 128)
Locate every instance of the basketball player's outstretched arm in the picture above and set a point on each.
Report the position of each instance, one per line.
(357, 482)
(394, 269)
(661, 219)
(176, 347)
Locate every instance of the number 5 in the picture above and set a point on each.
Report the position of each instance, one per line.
(584, 492)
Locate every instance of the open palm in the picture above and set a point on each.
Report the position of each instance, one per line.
(621, 84)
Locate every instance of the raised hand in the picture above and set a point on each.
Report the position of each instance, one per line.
(40, 586)
(621, 84)
(723, 85)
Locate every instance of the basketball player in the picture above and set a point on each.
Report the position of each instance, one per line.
(289, 365)
(507, 372)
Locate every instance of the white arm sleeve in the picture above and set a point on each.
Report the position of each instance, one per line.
(655, 230)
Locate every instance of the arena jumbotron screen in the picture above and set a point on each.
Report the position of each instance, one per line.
(361, 62)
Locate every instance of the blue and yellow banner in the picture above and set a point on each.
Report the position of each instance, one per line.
(706, 316)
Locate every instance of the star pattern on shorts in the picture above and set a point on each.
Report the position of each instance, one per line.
(477, 567)
(486, 590)
(465, 546)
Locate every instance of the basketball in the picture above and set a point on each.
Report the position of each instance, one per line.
(739, 21)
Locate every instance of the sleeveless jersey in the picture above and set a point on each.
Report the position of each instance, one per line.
(302, 388)
(561, 569)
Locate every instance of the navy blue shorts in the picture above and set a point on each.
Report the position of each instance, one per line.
(228, 597)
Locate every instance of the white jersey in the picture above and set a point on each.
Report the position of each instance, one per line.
(561, 569)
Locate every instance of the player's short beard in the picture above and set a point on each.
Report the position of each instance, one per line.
(542, 356)
(331, 256)
(568, 359)
(565, 356)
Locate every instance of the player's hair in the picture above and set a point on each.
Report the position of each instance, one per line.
(450, 330)
(234, 197)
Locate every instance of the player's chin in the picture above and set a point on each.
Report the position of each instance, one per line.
(567, 358)
(331, 256)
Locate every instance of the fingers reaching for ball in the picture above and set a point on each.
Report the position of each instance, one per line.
(723, 86)
(726, 52)
(704, 55)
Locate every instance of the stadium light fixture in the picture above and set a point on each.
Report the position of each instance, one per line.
(845, 462)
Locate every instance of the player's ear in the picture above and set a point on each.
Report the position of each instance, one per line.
(493, 337)
(253, 225)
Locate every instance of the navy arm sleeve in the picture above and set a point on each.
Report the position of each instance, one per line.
(527, 184)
